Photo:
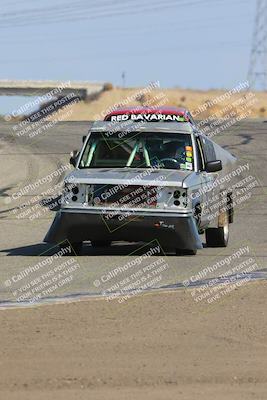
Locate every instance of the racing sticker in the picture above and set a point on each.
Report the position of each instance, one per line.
(188, 156)
(148, 117)
(189, 165)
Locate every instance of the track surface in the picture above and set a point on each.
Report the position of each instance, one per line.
(25, 161)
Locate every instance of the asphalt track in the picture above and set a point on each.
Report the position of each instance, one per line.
(26, 160)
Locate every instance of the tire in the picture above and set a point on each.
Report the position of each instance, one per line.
(230, 207)
(218, 237)
(100, 243)
(197, 215)
(186, 252)
(76, 248)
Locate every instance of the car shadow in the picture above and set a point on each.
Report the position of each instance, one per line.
(116, 249)
(32, 250)
(119, 249)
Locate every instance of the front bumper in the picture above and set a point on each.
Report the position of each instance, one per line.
(171, 230)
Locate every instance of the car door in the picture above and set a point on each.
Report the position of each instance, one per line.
(202, 198)
(212, 197)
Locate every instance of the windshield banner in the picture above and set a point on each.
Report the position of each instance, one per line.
(148, 117)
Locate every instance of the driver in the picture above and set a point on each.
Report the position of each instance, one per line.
(172, 150)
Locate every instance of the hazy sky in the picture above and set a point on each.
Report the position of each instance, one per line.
(188, 43)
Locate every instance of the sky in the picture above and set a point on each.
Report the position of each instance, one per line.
(199, 44)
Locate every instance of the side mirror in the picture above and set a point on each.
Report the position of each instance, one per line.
(73, 157)
(84, 138)
(214, 166)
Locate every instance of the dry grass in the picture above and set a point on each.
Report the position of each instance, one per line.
(238, 104)
(190, 99)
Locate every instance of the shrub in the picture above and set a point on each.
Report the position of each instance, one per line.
(107, 86)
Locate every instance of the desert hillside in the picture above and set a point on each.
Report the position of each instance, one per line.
(202, 104)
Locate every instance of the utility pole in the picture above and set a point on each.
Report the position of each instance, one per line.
(257, 74)
(123, 77)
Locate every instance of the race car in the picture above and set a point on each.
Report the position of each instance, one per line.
(150, 181)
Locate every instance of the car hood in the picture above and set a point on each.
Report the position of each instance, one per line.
(129, 176)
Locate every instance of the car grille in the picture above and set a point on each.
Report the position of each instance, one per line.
(118, 196)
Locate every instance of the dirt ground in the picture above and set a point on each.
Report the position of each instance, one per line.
(155, 346)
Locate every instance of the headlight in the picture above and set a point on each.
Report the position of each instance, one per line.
(75, 190)
(176, 194)
(76, 193)
(173, 198)
(180, 198)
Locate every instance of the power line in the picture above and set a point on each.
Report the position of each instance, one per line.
(62, 8)
(257, 74)
(209, 46)
(170, 28)
(70, 15)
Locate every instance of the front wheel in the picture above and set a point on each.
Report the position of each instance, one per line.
(218, 237)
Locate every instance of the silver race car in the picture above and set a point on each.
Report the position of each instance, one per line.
(142, 182)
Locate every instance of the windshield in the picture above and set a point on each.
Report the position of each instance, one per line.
(141, 150)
